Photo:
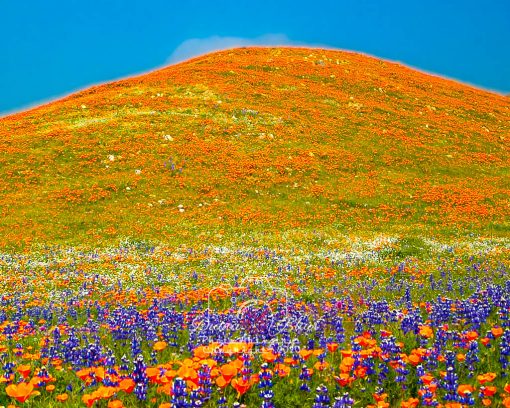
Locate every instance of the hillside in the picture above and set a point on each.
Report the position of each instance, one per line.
(258, 139)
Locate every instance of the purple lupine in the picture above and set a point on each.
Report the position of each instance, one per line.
(139, 376)
(305, 377)
(343, 401)
(450, 381)
(504, 350)
(265, 385)
(222, 402)
(504, 312)
(472, 357)
(205, 382)
(196, 399)
(338, 328)
(179, 394)
(246, 370)
(401, 372)
(383, 373)
(8, 370)
(322, 399)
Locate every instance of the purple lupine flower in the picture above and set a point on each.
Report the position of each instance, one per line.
(343, 401)
(504, 350)
(402, 373)
(265, 384)
(195, 399)
(205, 382)
(222, 402)
(322, 399)
(139, 376)
(472, 357)
(450, 381)
(179, 394)
(305, 377)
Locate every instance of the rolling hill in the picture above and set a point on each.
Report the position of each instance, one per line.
(258, 140)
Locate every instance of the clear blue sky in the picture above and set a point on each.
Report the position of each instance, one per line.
(51, 48)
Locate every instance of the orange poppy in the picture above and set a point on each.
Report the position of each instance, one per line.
(160, 345)
(471, 335)
(347, 362)
(228, 371)
(237, 363)
(321, 366)
(269, 356)
(282, 370)
(305, 354)
(360, 372)
(426, 331)
(332, 347)
(202, 352)
(165, 389)
(21, 391)
(489, 391)
(105, 392)
(187, 372)
(484, 378)
(344, 379)
(465, 389)
(127, 385)
(410, 403)
(221, 382)
(84, 373)
(414, 359)
(497, 331)
(427, 379)
(290, 361)
(24, 370)
(62, 397)
(240, 385)
(380, 397)
(88, 399)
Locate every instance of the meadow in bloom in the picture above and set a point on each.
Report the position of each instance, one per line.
(257, 139)
(259, 227)
(331, 323)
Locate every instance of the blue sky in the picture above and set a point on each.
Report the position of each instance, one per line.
(52, 48)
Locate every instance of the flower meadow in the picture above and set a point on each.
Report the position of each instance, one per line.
(257, 139)
(330, 323)
(310, 230)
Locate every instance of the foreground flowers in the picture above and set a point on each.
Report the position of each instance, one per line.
(21, 391)
(369, 333)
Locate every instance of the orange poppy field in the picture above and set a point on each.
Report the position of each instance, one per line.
(258, 227)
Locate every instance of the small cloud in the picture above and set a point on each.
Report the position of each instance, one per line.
(199, 46)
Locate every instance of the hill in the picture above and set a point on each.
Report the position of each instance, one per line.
(258, 140)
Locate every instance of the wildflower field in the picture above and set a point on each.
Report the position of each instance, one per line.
(305, 326)
(260, 227)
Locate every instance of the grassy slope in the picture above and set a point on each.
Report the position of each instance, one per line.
(258, 139)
